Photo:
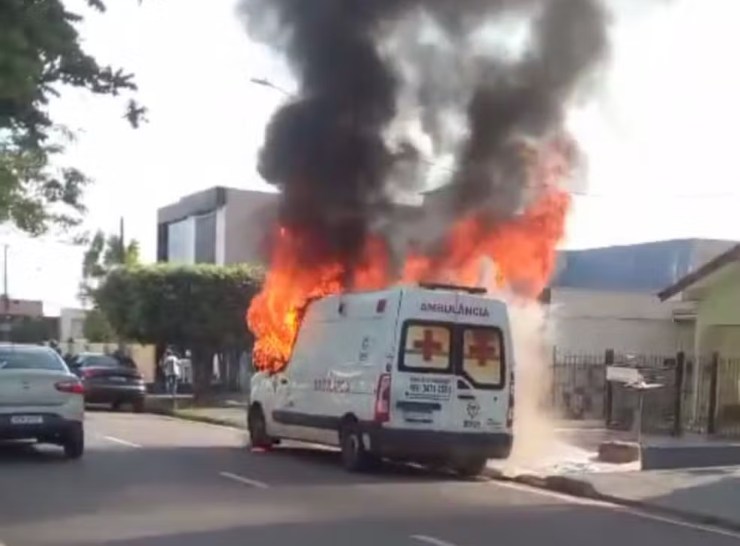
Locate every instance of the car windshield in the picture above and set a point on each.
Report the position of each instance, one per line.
(27, 358)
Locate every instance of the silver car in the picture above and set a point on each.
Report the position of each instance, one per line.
(40, 399)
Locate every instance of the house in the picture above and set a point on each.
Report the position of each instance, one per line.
(709, 297)
(604, 298)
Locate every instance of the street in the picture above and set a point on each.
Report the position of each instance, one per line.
(151, 480)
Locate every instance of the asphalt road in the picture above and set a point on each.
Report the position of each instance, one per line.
(154, 481)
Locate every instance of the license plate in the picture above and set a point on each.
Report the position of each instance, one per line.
(26, 420)
(117, 379)
(422, 388)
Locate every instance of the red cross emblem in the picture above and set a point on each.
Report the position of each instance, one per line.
(428, 346)
(481, 349)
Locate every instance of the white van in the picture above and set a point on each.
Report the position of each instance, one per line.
(419, 374)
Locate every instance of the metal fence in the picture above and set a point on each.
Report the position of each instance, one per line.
(725, 412)
(697, 394)
(578, 385)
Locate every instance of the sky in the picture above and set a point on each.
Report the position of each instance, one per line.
(658, 128)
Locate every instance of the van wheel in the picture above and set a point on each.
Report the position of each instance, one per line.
(470, 467)
(355, 456)
(258, 429)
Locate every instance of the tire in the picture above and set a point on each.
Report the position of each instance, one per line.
(115, 406)
(74, 442)
(258, 429)
(355, 457)
(138, 405)
(471, 467)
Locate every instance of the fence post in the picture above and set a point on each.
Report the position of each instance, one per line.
(713, 384)
(554, 378)
(608, 388)
(678, 394)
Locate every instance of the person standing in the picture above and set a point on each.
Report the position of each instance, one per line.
(171, 368)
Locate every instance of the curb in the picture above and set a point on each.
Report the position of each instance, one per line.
(576, 487)
(184, 416)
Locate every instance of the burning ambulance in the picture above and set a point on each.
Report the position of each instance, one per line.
(418, 373)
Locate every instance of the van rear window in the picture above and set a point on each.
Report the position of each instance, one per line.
(426, 347)
(471, 351)
(482, 358)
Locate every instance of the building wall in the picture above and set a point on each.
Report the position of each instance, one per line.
(590, 321)
(249, 217)
(181, 241)
(721, 302)
(71, 324)
(718, 315)
(22, 308)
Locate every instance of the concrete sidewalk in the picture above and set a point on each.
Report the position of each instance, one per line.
(707, 495)
(230, 416)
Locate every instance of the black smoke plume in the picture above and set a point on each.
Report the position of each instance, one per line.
(334, 149)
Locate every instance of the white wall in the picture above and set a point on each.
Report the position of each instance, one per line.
(590, 321)
(71, 324)
(221, 236)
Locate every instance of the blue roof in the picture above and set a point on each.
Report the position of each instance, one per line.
(647, 267)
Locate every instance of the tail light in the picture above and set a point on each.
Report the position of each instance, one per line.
(71, 387)
(510, 412)
(89, 373)
(383, 399)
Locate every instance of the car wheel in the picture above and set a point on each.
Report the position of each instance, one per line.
(115, 406)
(138, 406)
(471, 467)
(258, 429)
(74, 442)
(355, 456)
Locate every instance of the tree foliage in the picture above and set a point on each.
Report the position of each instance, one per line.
(199, 307)
(97, 329)
(102, 255)
(40, 53)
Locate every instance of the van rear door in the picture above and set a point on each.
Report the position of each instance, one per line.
(452, 372)
(423, 385)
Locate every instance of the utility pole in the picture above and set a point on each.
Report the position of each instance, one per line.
(121, 235)
(6, 298)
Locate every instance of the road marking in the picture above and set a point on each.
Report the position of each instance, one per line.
(431, 540)
(121, 442)
(618, 507)
(245, 481)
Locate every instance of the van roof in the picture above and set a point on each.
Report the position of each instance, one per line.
(365, 303)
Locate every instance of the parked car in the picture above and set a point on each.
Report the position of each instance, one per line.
(40, 399)
(109, 380)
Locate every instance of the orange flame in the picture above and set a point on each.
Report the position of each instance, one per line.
(523, 250)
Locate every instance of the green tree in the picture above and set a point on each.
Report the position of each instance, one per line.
(201, 308)
(97, 329)
(41, 53)
(102, 255)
